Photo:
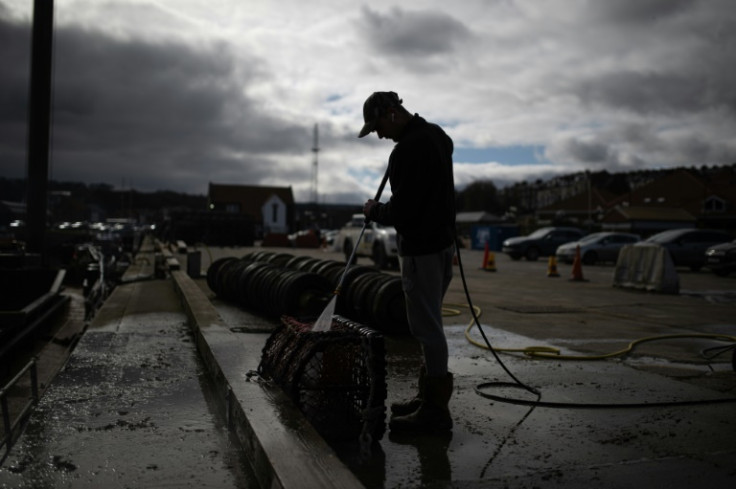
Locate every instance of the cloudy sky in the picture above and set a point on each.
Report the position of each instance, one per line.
(173, 94)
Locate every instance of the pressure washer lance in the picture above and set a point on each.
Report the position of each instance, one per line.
(324, 322)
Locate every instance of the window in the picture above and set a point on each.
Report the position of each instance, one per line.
(714, 204)
(274, 212)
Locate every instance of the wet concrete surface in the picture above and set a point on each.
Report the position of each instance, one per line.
(502, 444)
(140, 391)
(132, 408)
(49, 350)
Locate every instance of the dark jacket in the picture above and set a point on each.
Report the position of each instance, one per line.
(422, 204)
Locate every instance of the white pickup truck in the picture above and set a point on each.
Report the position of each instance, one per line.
(378, 243)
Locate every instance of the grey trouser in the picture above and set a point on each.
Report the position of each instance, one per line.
(425, 279)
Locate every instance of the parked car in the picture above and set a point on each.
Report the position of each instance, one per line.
(596, 247)
(378, 242)
(721, 258)
(329, 236)
(687, 246)
(542, 242)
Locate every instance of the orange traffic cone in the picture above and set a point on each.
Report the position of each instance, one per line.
(489, 263)
(552, 267)
(577, 267)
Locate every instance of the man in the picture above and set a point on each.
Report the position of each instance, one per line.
(422, 209)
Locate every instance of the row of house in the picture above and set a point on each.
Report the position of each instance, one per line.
(653, 202)
(677, 198)
(681, 198)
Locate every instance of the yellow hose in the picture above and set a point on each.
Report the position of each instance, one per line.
(554, 353)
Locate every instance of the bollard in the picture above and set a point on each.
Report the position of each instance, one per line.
(490, 265)
(552, 267)
(194, 264)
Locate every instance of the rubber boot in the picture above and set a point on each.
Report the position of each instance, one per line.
(433, 414)
(410, 405)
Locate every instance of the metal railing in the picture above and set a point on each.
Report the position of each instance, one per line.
(10, 425)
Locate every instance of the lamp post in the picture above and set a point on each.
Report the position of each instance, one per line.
(39, 123)
(590, 200)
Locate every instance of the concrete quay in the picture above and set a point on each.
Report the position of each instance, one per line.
(605, 426)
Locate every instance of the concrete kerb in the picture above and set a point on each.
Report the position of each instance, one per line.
(283, 455)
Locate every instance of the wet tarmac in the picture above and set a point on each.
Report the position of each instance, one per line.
(635, 420)
(135, 408)
(132, 408)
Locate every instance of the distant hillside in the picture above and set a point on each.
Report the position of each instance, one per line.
(71, 201)
(78, 201)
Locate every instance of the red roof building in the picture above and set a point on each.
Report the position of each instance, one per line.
(272, 208)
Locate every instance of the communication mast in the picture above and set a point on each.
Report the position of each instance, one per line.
(315, 165)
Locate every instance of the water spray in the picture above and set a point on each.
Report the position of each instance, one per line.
(324, 322)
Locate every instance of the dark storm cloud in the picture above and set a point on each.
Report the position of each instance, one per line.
(588, 152)
(690, 146)
(640, 10)
(696, 76)
(597, 152)
(629, 146)
(620, 84)
(410, 34)
(647, 92)
(664, 67)
(150, 114)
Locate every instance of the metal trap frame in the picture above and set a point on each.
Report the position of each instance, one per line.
(337, 378)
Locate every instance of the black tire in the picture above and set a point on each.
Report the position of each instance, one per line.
(307, 265)
(347, 249)
(302, 294)
(296, 262)
(214, 271)
(246, 297)
(590, 258)
(342, 305)
(279, 259)
(389, 307)
(361, 295)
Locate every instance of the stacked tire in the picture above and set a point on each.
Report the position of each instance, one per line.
(267, 288)
(275, 284)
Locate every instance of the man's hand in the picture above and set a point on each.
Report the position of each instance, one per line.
(367, 207)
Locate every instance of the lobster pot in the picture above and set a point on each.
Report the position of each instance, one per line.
(337, 378)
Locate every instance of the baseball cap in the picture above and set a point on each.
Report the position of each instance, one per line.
(374, 106)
